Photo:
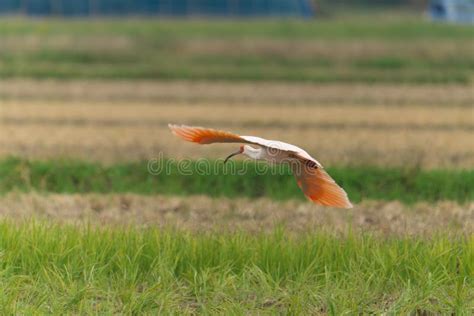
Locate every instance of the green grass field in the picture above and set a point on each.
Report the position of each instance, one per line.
(214, 179)
(55, 269)
(396, 49)
(105, 236)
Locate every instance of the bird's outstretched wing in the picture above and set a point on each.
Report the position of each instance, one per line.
(316, 184)
(319, 187)
(203, 135)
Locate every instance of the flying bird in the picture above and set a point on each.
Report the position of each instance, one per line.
(314, 181)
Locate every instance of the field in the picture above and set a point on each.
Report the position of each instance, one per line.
(342, 124)
(401, 49)
(88, 225)
(66, 269)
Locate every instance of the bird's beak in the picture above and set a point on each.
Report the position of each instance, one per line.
(232, 155)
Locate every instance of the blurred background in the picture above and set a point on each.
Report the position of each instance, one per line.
(354, 82)
(358, 84)
(454, 10)
(297, 8)
(380, 92)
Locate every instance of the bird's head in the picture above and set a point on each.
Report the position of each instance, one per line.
(240, 151)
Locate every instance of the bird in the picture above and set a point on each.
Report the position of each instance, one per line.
(316, 184)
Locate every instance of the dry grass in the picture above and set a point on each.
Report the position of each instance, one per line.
(319, 51)
(427, 149)
(339, 50)
(334, 49)
(419, 133)
(92, 43)
(237, 93)
(339, 124)
(200, 213)
(257, 115)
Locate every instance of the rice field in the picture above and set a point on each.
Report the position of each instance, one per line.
(201, 213)
(400, 129)
(401, 49)
(105, 236)
(88, 227)
(51, 268)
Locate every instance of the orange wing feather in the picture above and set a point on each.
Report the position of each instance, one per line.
(205, 135)
(319, 187)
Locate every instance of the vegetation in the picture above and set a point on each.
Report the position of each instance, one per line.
(394, 27)
(201, 213)
(240, 179)
(48, 268)
(400, 49)
(341, 125)
(229, 258)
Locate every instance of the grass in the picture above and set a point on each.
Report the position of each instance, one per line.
(50, 268)
(386, 126)
(213, 179)
(395, 27)
(57, 269)
(200, 213)
(401, 49)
